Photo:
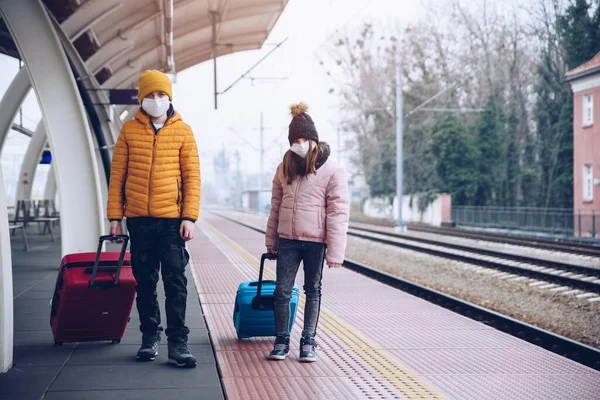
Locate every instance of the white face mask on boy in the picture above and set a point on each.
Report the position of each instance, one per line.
(300, 148)
(156, 108)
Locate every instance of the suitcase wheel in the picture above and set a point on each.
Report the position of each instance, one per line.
(57, 344)
(116, 341)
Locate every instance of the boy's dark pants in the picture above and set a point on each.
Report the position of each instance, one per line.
(156, 244)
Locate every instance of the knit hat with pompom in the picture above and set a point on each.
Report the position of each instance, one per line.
(302, 125)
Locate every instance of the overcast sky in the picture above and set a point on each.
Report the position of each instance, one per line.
(307, 24)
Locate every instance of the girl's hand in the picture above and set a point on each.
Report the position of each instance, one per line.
(271, 250)
(334, 265)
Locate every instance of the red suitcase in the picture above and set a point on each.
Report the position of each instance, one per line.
(93, 296)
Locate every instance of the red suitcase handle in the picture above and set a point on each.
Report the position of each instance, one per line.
(102, 239)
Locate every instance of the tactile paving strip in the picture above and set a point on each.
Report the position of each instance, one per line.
(296, 388)
(249, 364)
(367, 352)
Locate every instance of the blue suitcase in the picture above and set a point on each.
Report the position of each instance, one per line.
(253, 311)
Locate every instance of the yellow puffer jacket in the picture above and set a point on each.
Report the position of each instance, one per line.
(155, 175)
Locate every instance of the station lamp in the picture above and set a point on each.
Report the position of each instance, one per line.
(46, 157)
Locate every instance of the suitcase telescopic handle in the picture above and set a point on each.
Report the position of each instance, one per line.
(265, 256)
(102, 239)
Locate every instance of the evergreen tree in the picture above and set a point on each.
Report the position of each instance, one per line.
(579, 29)
(511, 186)
(491, 154)
(555, 135)
(456, 160)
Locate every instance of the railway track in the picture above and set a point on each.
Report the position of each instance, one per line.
(561, 345)
(577, 277)
(561, 245)
(558, 244)
(498, 254)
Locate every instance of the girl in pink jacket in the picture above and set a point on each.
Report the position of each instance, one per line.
(309, 213)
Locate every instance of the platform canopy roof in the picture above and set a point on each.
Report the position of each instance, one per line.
(117, 39)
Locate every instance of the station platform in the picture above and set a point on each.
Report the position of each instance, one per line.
(374, 342)
(98, 370)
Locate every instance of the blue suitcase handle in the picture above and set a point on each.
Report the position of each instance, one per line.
(265, 256)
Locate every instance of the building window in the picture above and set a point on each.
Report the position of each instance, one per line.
(588, 110)
(588, 183)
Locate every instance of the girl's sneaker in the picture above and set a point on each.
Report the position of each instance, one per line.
(280, 348)
(307, 350)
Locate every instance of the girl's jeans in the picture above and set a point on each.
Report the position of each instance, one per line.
(290, 254)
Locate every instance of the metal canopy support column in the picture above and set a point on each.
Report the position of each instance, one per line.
(50, 190)
(30, 163)
(214, 15)
(66, 125)
(6, 287)
(169, 49)
(11, 101)
(262, 165)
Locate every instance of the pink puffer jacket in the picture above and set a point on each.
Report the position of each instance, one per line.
(313, 208)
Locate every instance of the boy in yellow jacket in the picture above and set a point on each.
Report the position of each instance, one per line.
(155, 184)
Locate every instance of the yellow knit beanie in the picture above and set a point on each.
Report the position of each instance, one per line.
(153, 81)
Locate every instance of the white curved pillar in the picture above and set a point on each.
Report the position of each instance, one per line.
(11, 101)
(30, 163)
(94, 97)
(6, 287)
(50, 190)
(66, 125)
(29, 167)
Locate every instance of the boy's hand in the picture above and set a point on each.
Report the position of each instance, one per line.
(115, 228)
(186, 230)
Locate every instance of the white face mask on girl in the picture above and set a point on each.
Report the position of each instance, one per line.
(300, 148)
(156, 108)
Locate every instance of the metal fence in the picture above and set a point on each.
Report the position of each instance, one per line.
(566, 221)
